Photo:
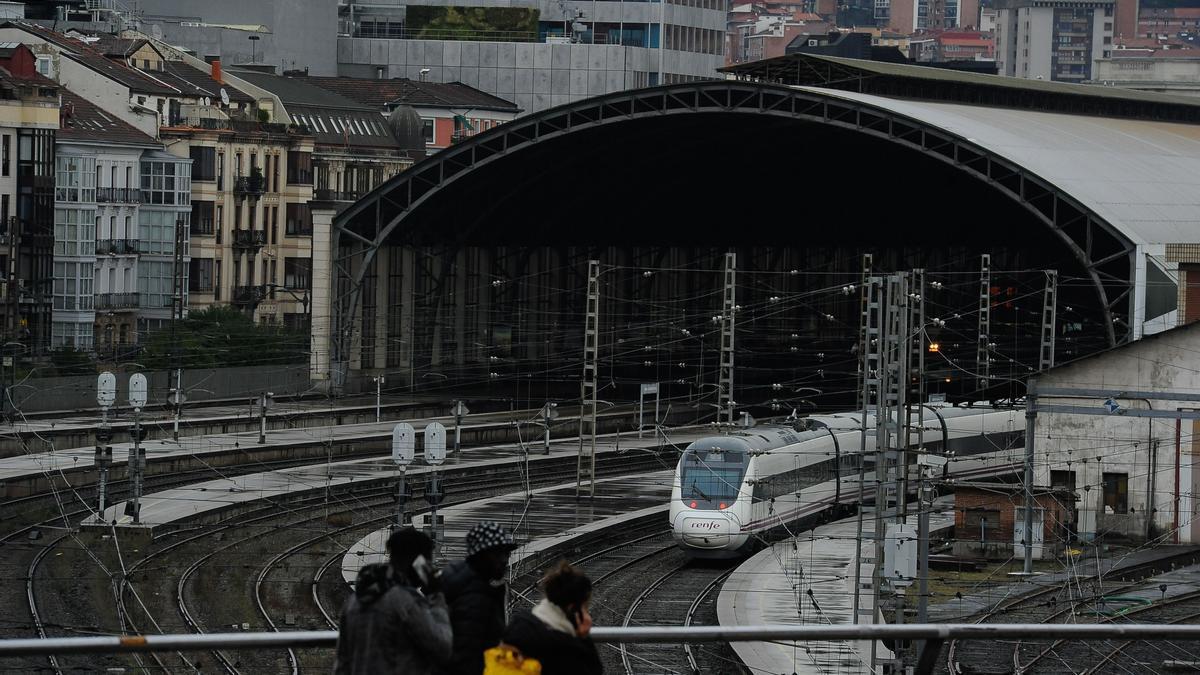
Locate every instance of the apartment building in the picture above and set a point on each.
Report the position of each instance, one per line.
(1057, 40)
(114, 220)
(537, 53)
(28, 121)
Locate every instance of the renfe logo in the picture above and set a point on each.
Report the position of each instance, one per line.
(704, 525)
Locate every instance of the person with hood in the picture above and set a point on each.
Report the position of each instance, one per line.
(556, 631)
(397, 620)
(475, 590)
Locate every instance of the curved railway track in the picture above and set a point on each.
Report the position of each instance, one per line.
(1048, 605)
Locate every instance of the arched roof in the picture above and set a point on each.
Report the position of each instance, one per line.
(1141, 177)
(1102, 185)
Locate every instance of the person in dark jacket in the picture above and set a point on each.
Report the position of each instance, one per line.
(397, 620)
(475, 590)
(556, 631)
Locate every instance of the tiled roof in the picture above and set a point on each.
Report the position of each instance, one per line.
(113, 46)
(333, 119)
(118, 72)
(93, 59)
(380, 94)
(84, 121)
(298, 90)
(195, 82)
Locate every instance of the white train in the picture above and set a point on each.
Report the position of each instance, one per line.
(735, 491)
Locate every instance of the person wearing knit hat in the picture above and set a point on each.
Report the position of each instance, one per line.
(475, 589)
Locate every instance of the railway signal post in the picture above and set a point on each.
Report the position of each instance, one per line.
(459, 411)
(404, 449)
(435, 455)
(138, 390)
(106, 396)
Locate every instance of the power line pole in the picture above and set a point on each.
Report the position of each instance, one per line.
(863, 310)
(983, 342)
(728, 308)
(178, 305)
(585, 467)
(1049, 321)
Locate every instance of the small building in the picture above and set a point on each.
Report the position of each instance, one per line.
(989, 520)
(1134, 478)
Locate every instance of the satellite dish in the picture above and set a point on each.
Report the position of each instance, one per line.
(224, 96)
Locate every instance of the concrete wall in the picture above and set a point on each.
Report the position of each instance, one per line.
(69, 393)
(1174, 76)
(1145, 451)
(302, 33)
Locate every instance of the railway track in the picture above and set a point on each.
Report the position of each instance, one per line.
(1053, 604)
(674, 599)
(281, 581)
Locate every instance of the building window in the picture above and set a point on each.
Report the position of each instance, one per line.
(204, 163)
(156, 231)
(44, 66)
(166, 183)
(299, 219)
(74, 232)
(296, 273)
(155, 284)
(1116, 493)
(5, 154)
(428, 126)
(75, 179)
(202, 217)
(73, 285)
(200, 277)
(299, 168)
(982, 525)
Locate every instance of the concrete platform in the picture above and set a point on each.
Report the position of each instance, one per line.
(72, 430)
(553, 519)
(209, 500)
(36, 473)
(807, 580)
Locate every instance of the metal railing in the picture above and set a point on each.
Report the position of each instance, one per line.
(117, 246)
(326, 195)
(117, 301)
(933, 633)
(112, 195)
(249, 295)
(249, 238)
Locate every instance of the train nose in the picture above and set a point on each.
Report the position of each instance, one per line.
(703, 532)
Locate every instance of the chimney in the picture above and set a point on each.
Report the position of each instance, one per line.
(216, 71)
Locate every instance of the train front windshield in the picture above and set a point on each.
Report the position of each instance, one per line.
(710, 479)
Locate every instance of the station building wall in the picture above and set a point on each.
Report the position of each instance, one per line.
(1134, 478)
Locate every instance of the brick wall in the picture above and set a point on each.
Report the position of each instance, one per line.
(999, 542)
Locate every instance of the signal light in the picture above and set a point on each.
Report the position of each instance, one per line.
(934, 348)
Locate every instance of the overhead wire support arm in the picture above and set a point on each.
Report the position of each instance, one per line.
(728, 331)
(585, 469)
(983, 344)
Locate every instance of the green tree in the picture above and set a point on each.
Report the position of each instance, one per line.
(221, 337)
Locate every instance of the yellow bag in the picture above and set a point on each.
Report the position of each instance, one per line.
(507, 660)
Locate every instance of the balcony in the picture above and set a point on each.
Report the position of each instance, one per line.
(249, 295)
(249, 239)
(326, 195)
(112, 195)
(116, 301)
(249, 186)
(116, 247)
